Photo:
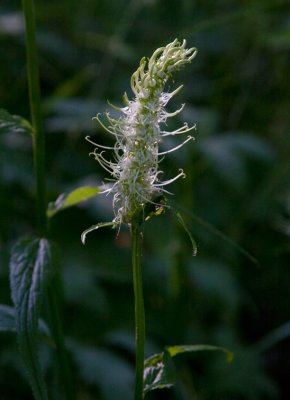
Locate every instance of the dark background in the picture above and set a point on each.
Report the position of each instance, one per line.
(235, 197)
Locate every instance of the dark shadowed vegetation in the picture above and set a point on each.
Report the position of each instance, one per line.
(235, 198)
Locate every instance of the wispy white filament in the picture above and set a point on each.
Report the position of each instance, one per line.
(138, 133)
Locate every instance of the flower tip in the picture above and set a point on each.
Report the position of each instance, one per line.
(181, 173)
(96, 117)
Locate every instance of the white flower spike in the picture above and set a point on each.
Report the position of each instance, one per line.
(138, 133)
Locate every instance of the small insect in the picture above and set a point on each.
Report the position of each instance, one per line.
(154, 208)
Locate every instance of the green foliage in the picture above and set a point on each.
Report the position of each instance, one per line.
(11, 123)
(30, 269)
(159, 372)
(7, 319)
(73, 198)
(237, 184)
(93, 366)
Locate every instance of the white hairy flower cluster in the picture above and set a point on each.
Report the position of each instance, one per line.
(138, 133)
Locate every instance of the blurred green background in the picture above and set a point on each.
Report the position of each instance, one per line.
(236, 196)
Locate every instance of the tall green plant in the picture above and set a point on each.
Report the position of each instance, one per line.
(32, 264)
(36, 116)
(137, 189)
(138, 194)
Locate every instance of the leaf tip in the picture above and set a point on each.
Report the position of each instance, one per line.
(83, 238)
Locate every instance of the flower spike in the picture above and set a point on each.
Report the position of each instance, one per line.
(138, 134)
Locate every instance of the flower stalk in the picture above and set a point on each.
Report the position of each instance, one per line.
(135, 172)
(40, 178)
(34, 97)
(136, 236)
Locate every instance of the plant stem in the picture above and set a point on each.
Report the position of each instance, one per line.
(61, 352)
(40, 177)
(139, 309)
(34, 97)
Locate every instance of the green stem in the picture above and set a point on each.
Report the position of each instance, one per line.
(61, 352)
(34, 97)
(139, 309)
(40, 178)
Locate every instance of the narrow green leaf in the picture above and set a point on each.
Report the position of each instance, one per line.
(174, 350)
(184, 226)
(73, 198)
(30, 267)
(93, 228)
(10, 123)
(212, 229)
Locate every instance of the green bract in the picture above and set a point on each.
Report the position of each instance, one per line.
(138, 133)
